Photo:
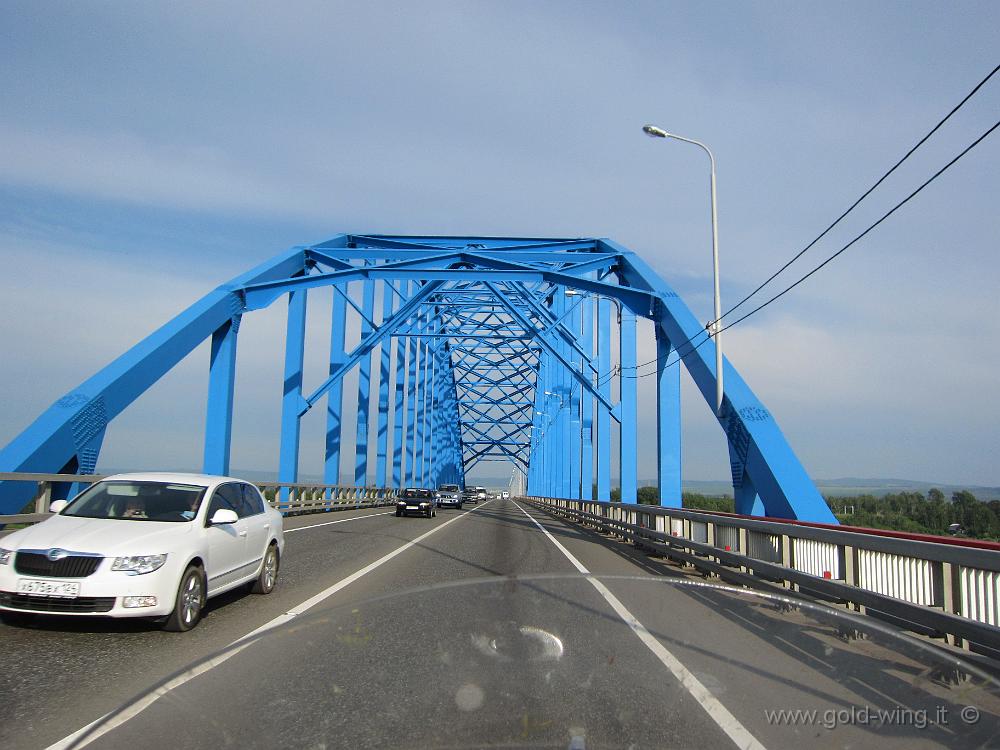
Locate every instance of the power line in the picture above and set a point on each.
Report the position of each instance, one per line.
(790, 287)
(618, 369)
(885, 216)
(865, 194)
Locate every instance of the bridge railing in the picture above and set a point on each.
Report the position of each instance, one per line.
(936, 586)
(289, 498)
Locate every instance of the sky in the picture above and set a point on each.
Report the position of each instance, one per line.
(153, 151)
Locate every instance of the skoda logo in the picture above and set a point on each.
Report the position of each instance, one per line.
(56, 554)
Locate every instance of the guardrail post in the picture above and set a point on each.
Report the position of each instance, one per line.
(710, 541)
(44, 498)
(951, 598)
(744, 547)
(851, 577)
(788, 560)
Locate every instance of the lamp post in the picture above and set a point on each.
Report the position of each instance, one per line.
(715, 327)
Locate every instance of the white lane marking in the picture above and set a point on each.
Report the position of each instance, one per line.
(342, 520)
(719, 713)
(140, 705)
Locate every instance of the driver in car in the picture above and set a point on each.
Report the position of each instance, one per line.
(193, 509)
(134, 508)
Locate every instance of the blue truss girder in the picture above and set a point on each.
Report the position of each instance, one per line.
(492, 362)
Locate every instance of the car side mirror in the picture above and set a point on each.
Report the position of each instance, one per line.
(57, 505)
(224, 516)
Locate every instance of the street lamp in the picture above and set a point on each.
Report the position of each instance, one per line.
(715, 327)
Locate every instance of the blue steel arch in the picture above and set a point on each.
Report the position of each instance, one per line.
(502, 353)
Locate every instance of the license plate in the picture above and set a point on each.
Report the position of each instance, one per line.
(412, 507)
(62, 589)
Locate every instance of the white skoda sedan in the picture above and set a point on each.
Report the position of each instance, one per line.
(143, 545)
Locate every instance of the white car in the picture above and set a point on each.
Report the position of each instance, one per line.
(143, 545)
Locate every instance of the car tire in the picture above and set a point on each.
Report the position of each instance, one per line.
(434, 513)
(398, 514)
(190, 602)
(268, 571)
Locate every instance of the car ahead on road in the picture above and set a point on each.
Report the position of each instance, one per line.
(143, 545)
(475, 495)
(416, 500)
(450, 496)
(505, 495)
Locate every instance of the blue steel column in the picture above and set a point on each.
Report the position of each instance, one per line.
(364, 388)
(411, 407)
(604, 388)
(434, 453)
(295, 338)
(429, 391)
(575, 405)
(552, 458)
(397, 423)
(335, 398)
(382, 449)
(668, 423)
(587, 461)
(628, 406)
(538, 458)
(562, 403)
(454, 466)
(534, 457)
(421, 390)
(438, 429)
(219, 409)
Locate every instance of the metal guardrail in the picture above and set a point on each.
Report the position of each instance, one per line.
(289, 498)
(318, 498)
(936, 586)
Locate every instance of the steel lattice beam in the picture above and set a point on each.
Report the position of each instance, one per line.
(492, 361)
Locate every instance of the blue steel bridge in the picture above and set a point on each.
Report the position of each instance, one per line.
(482, 349)
(523, 351)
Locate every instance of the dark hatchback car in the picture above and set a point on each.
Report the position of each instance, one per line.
(412, 500)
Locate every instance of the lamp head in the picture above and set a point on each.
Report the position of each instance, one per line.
(654, 132)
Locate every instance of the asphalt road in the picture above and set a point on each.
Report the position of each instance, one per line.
(475, 628)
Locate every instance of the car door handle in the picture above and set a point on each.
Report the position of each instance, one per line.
(243, 533)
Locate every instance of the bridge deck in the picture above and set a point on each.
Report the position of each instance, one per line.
(60, 675)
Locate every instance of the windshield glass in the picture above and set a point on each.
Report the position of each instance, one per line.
(138, 501)
(449, 488)
(543, 661)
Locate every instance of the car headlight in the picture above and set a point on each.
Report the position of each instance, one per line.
(138, 565)
(5, 556)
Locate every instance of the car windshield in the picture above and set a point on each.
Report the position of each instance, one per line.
(414, 493)
(138, 501)
(449, 488)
